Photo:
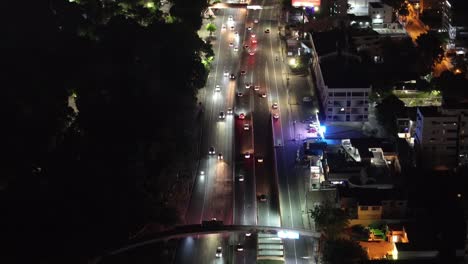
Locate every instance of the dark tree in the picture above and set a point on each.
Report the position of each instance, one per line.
(330, 220)
(388, 110)
(430, 49)
(343, 251)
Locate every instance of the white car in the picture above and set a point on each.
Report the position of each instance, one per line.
(219, 252)
(241, 178)
(246, 126)
(249, 28)
(260, 159)
(264, 95)
(231, 44)
(253, 35)
(236, 48)
(247, 155)
(240, 94)
(257, 87)
(275, 116)
(247, 85)
(226, 73)
(255, 21)
(218, 88)
(223, 27)
(275, 105)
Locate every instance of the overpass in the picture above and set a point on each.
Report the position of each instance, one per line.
(205, 229)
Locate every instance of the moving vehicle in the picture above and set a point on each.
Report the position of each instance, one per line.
(246, 126)
(220, 156)
(275, 115)
(211, 150)
(229, 111)
(247, 85)
(247, 155)
(217, 88)
(241, 116)
(240, 94)
(267, 30)
(232, 76)
(275, 105)
(262, 198)
(221, 115)
(240, 177)
(239, 248)
(263, 95)
(257, 87)
(219, 252)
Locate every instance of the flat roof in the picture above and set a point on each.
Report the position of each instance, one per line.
(327, 41)
(371, 196)
(376, 5)
(343, 71)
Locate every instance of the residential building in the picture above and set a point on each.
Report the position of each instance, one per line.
(381, 15)
(335, 7)
(455, 22)
(441, 136)
(340, 78)
(369, 206)
(360, 7)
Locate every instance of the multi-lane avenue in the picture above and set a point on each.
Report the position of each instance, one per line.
(246, 173)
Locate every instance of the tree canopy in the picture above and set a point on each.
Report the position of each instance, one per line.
(91, 177)
(330, 220)
(388, 110)
(343, 251)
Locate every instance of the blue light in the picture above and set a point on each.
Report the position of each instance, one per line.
(323, 129)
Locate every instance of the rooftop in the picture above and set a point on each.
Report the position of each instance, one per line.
(371, 196)
(375, 5)
(343, 71)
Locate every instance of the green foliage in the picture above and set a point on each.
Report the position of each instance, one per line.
(134, 117)
(453, 86)
(211, 28)
(330, 220)
(359, 232)
(343, 251)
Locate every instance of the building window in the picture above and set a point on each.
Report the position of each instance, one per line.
(375, 208)
(348, 103)
(364, 208)
(348, 118)
(330, 94)
(365, 116)
(330, 109)
(365, 109)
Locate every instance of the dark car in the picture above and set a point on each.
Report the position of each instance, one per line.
(232, 76)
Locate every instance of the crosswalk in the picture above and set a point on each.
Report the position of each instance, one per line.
(269, 247)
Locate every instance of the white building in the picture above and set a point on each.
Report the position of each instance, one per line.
(381, 15)
(360, 7)
(441, 137)
(341, 82)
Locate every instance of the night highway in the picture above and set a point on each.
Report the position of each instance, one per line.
(256, 182)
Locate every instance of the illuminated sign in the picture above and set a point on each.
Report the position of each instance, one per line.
(305, 3)
(288, 235)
